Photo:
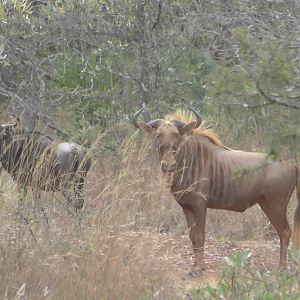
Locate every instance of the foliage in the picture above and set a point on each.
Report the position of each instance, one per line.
(82, 68)
(241, 280)
(98, 61)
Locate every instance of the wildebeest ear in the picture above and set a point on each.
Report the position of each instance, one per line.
(188, 128)
(18, 126)
(14, 118)
(147, 128)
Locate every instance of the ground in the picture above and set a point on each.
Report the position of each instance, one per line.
(265, 253)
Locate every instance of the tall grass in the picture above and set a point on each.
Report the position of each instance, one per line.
(129, 242)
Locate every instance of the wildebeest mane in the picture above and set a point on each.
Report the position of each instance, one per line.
(203, 130)
(30, 133)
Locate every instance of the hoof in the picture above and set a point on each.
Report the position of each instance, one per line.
(196, 272)
(79, 205)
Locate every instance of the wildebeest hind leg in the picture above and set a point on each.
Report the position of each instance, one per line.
(78, 189)
(276, 212)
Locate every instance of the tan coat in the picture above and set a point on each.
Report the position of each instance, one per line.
(206, 174)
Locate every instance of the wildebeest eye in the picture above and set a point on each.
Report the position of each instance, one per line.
(4, 130)
(161, 148)
(173, 149)
(7, 130)
(166, 148)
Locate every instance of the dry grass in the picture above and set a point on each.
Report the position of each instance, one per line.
(130, 242)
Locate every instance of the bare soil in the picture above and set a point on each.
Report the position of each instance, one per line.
(265, 254)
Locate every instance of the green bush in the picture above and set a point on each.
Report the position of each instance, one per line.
(241, 280)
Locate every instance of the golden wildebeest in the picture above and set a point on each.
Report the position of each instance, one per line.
(206, 174)
(36, 160)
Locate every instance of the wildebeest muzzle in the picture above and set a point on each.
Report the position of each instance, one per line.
(168, 162)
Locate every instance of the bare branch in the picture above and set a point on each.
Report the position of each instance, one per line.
(273, 100)
(49, 123)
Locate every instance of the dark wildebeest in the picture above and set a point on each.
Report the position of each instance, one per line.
(36, 160)
(206, 174)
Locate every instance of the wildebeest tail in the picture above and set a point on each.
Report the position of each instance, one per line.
(296, 233)
(84, 161)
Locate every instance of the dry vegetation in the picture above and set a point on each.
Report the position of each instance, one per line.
(130, 242)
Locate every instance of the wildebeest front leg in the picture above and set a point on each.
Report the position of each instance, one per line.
(195, 209)
(40, 207)
(78, 189)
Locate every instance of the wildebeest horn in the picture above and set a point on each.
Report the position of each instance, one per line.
(178, 123)
(198, 118)
(9, 125)
(14, 115)
(135, 116)
(153, 124)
